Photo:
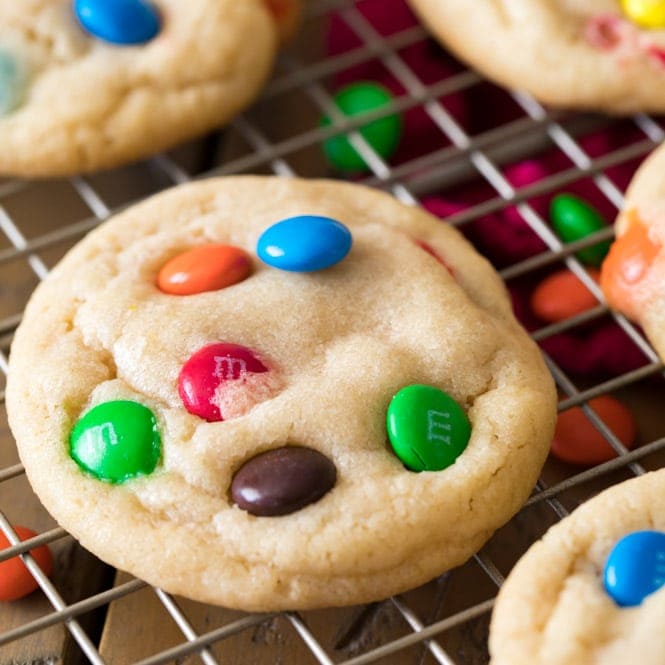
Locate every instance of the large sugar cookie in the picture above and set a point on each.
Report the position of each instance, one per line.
(633, 273)
(166, 357)
(592, 54)
(90, 84)
(590, 592)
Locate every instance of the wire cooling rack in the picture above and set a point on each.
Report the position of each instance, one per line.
(97, 619)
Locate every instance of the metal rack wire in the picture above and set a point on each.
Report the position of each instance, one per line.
(32, 245)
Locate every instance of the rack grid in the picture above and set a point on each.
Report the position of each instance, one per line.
(446, 621)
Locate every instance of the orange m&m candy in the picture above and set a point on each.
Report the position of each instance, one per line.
(16, 580)
(286, 14)
(577, 441)
(280, 8)
(204, 268)
(562, 295)
(627, 264)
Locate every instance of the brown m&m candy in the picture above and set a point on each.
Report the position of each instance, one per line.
(281, 481)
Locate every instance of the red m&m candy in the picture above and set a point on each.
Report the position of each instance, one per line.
(204, 268)
(16, 580)
(577, 441)
(209, 369)
(562, 295)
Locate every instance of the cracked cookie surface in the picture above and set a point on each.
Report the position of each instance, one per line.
(71, 102)
(411, 303)
(553, 609)
(584, 54)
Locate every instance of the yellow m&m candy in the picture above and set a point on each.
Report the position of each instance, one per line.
(646, 13)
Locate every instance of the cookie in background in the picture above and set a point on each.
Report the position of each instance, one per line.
(94, 84)
(603, 55)
(591, 591)
(632, 274)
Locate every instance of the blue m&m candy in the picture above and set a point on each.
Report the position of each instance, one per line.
(635, 567)
(305, 243)
(118, 21)
(11, 83)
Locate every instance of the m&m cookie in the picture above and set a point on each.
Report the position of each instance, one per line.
(593, 589)
(605, 55)
(633, 274)
(92, 84)
(271, 393)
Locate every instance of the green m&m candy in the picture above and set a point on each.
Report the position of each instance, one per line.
(382, 134)
(574, 219)
(427, 428)
(116, 441)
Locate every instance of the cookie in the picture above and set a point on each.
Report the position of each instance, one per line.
(591, 590)
(633, 271)
(273, 393)
(93, 84)
(605, 55)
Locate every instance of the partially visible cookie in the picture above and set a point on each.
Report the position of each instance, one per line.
(633, 274)
(605, 55)
(590, 592)
(92, 84)
(264, 410)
